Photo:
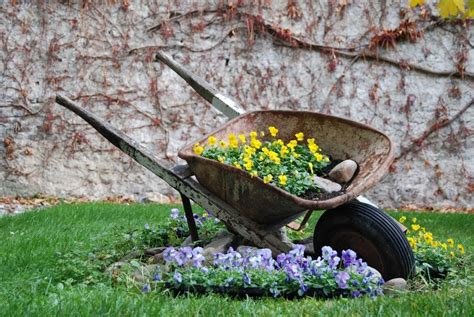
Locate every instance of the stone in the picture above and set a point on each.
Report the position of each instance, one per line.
(158, 259)
(187, 242)
(326, 185)
(221, 243)
(144, 273)
(115, 266)
(154, 251)
(154, 198)
(394, 286)
(343, 172)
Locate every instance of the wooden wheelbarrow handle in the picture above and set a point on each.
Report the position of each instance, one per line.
(223, 103)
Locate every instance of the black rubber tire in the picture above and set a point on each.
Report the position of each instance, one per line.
(371, 233)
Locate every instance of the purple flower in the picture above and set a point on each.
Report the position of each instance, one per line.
(178, 277)
(328, 252)
(146, 288)
(174, 213)
(341, 279)
(334, 262)
(292, 272)
(147, 226)
(348, 257)
(157, 277)
(168, 254)
(298, 250)
(356, 293)
(246, 279)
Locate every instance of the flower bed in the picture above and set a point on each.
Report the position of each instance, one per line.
(289, 165)
(434, 258)
(256, 273)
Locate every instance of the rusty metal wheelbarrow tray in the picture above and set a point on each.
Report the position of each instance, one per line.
(268, 204)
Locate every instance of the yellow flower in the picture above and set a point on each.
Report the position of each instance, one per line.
(444, 246)
(428, 237)
(274, 157)
(299, 136)
(236, 164)
(255, 143)
(402, 219)
(211, 140)
(282, 179)
(254, 173)
(223, 144)
(273, 131)
(434, 244)
(413, 220)
(292, 144)
(461, 248)
(233, 142)
(452, 254)
(310, 165)
(267, 179)
(220, 159)
(295, 155)
(198, 149)
(248, 165)
(326, 159)
(313, 148)
(451, 243)
(415, 227)
(318, 157)
(248, 150)
(310, 141)
(414, 3)
(412, 242)
(261, 157)
(279, 142)
(242, 138)
(283, 150)
(262, 134)
(253, 134)
(265, 150)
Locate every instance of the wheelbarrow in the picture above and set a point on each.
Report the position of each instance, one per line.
(259, 212)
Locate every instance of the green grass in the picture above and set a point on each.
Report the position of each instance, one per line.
(30, 275)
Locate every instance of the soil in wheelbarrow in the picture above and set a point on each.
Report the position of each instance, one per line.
(318, 195)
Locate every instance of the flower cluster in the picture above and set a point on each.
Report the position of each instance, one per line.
(286, 164)
(290, 274)
(433, 257)
(175, 229)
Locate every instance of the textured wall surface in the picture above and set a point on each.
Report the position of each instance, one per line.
(346, 58)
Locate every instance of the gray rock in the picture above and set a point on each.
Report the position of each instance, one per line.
(115, 266)
(187, 242)
(394, 286)
(158, 259)
(326, 185)
(343, 172)
(154, 251)
(144, 273)
(221, 243)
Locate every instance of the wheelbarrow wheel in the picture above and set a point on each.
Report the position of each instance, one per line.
(371, 233)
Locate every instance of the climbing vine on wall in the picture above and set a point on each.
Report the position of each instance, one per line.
(265, 54)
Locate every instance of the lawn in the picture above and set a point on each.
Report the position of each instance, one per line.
(33, 281)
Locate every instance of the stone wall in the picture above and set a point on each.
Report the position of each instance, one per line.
(333, 57)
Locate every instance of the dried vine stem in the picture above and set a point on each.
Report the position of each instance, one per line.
(433, 128)
(285, 37)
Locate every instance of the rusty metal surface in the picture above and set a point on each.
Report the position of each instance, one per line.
(268, 204)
